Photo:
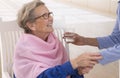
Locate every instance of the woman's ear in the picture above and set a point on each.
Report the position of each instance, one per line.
(31, 26)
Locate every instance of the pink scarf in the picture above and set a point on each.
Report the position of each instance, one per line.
(33, 55)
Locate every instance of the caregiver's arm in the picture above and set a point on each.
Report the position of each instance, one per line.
(100, 42)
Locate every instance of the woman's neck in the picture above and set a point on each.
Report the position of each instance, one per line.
(43, 36)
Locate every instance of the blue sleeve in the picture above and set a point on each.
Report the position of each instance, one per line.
(114, 38)
(60, 71)
(109, 41)
(110, 55)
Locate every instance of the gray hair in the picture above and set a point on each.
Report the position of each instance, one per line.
(26, 14)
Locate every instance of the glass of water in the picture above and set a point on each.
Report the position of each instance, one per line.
(69, 37)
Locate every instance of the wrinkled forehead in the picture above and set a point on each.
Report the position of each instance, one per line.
(42, 9)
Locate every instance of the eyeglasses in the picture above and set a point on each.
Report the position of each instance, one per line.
(44, 16)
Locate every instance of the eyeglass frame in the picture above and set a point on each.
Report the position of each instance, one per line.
(44, 16)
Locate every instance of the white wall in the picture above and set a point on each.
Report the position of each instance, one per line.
(105, 6)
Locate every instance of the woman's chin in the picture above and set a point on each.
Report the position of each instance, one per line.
(51, 29)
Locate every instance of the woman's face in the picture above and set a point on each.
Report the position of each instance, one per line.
(43, 20)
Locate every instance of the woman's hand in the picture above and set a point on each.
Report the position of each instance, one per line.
(84, 70)
(86, 60)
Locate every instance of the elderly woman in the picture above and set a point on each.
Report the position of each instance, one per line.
(39, 54)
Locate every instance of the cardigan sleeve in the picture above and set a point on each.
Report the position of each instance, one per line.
(60, 71)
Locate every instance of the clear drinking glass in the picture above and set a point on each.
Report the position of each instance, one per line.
(67, 39)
